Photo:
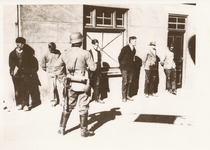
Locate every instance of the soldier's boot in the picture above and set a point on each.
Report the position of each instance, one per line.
(83, 124)
(63, 122)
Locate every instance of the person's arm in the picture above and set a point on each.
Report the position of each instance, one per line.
(11, 64)
(144, 59)
(60, 70)
(43, 63)
(121, 55)
(90, 63)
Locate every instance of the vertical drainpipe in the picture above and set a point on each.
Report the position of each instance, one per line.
(18, 21)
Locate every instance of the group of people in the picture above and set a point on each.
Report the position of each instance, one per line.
(73, 73)
(150, 63)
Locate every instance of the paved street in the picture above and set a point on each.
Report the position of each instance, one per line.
(166, 122)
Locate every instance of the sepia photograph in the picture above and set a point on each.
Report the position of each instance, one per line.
(105, 76)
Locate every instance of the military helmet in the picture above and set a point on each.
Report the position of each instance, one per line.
(76, 37)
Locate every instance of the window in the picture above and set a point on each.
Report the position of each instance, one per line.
(176, 22)
(104, 18)
(99, 17)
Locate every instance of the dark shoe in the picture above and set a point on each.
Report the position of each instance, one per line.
(129, 98)
(124, 100)
(100, 101)
(63, 122)
(86, 133)
(174, 92)
(83, 125)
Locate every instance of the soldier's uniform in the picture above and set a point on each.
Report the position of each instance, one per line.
(63, 68)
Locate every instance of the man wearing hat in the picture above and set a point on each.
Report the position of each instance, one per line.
(23, 70)
(126, 61)
(47, 63)
(150, 67)
(73, 61)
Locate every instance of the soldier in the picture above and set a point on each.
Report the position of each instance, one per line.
(74, 62)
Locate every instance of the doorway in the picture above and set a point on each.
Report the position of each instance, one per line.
(177, 38)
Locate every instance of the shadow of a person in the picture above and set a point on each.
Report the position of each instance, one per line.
(135, 80)
(103, 117)
(100, 118)
(104, 89)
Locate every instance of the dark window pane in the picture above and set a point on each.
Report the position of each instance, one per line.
(99, 21)
(107, 21)
(181, 26)
(119, 15)
(172, 26)
(99, 13)
(87, 20)
(107, 14)
(181, 20)
(172, 20)
(119, 22)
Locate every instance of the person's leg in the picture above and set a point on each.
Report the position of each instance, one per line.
(35, 95)
(69, 104)
(146, 85)
(84, 101)
(17, 90)
(25, 94)
(130, 77)
(60, 92)
(124, 84)
(173, 81)
(168, 79)
(152, 82)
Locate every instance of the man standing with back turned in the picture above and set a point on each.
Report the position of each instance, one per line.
(126, 59)
(72, 62)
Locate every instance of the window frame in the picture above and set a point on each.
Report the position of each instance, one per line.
(177, 23)
(93, 17)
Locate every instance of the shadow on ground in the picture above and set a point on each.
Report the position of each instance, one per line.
(99, 119)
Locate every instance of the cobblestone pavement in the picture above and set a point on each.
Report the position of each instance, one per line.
(166, 122)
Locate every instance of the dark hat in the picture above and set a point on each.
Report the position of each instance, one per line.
(152, 43)
(52, 45)
(94, 41)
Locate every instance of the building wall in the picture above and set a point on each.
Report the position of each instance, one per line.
(41, 24)
(10, 32)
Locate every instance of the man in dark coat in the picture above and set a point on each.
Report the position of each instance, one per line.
(126, 60)
(23, 72)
